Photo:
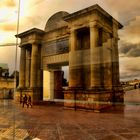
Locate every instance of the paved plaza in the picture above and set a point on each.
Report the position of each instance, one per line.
(53, 122)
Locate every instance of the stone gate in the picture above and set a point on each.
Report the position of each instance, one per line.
(87, 42)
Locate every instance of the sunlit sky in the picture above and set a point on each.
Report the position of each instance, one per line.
(34, 13)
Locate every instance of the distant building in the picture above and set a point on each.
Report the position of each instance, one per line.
(6, 82)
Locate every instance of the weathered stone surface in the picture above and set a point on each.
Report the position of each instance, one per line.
(87, 41)
(56, 21)
(59, 46)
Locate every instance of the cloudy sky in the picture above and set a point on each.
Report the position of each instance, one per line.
(34, 13)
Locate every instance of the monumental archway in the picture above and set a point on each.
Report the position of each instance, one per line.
(86, 41)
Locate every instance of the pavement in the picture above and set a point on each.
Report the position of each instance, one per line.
(53, 122)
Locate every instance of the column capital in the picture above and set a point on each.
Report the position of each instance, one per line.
(35, 42)
(73, 29)
(94, 24)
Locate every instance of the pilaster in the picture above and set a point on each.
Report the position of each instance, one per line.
(94, 55)
(22, 67)
(74, 62)
(28, 63)
(34, 65)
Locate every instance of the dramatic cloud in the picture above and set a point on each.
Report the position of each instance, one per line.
(8, 27)
(131, 32)
(129, 68)
(134, 52)
(126, 9)
(130, 50)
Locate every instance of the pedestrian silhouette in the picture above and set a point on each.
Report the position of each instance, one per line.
(135, 86)
(25, 100)
(29, 101)
(10, 94)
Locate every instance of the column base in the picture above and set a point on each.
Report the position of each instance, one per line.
(92, 99)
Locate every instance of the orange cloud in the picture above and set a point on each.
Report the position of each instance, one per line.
(131, 32)
(8, 27)
(7, 3)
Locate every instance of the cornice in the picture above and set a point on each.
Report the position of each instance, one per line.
(31, 31)
(90, 10)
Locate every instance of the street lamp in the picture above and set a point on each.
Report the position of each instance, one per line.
(15, 75)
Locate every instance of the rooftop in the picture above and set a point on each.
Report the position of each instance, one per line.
(90, 9)
(31, 31)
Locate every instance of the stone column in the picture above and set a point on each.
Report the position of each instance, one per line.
(74, 62)
(22, 67)
(39, 72)
(108, 65)
(28, 63)
(115, 55)
(72, 46)
(94, 54)
(34, 65)
(115, 62)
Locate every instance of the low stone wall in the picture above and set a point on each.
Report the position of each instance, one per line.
(89, 99)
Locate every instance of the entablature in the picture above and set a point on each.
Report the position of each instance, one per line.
(31, 36)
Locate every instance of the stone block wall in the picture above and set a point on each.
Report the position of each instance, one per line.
(89, 99)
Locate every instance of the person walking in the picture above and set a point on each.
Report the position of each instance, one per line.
(29, 101)
(25, 101)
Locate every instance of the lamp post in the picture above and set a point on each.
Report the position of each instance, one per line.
(15, 75)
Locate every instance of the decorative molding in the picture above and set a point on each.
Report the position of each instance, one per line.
(61, 58)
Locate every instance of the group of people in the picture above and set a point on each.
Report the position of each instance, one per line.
(26, 100)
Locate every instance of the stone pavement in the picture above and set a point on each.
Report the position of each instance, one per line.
(53, 122)
(10, 119)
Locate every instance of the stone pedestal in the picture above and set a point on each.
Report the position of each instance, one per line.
(92, 99)
(37, 95)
